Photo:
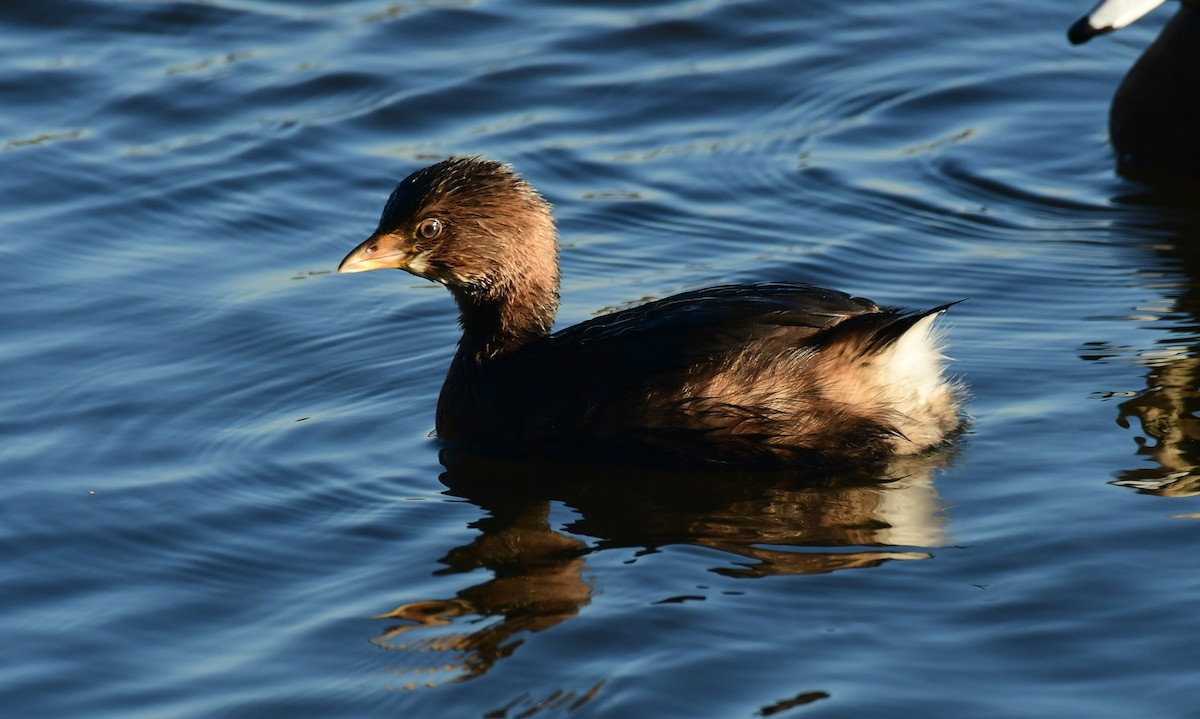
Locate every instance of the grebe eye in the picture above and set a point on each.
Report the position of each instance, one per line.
(429, 229)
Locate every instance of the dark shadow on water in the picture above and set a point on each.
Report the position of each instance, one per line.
(1165, 412)
(764, 523)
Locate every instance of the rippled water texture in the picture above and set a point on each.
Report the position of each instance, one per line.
(219, 496)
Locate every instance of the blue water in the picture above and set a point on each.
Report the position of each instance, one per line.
(218, 492)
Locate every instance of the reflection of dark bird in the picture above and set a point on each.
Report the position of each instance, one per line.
(739, 374)
(762, 522)
(538, 582)
(1167, 413)
(1153, 118)
(869, 514)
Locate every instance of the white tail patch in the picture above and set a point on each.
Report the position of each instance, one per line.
(914, 362)
(909, 381)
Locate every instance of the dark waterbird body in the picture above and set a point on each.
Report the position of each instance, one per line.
(1155, 112)
(768, 373)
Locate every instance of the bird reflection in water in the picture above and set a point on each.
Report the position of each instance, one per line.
(1164, 413)
(538, 581)
(1152, 128)
(768, 523)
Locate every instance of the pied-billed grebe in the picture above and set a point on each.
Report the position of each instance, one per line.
(1153, 121)
(767, 373)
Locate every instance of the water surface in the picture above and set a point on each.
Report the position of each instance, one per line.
(220, 497)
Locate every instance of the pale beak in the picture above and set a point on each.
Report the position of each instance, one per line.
(1109, 15)
(378, 252)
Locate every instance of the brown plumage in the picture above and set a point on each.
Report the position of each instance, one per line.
(768, 373)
